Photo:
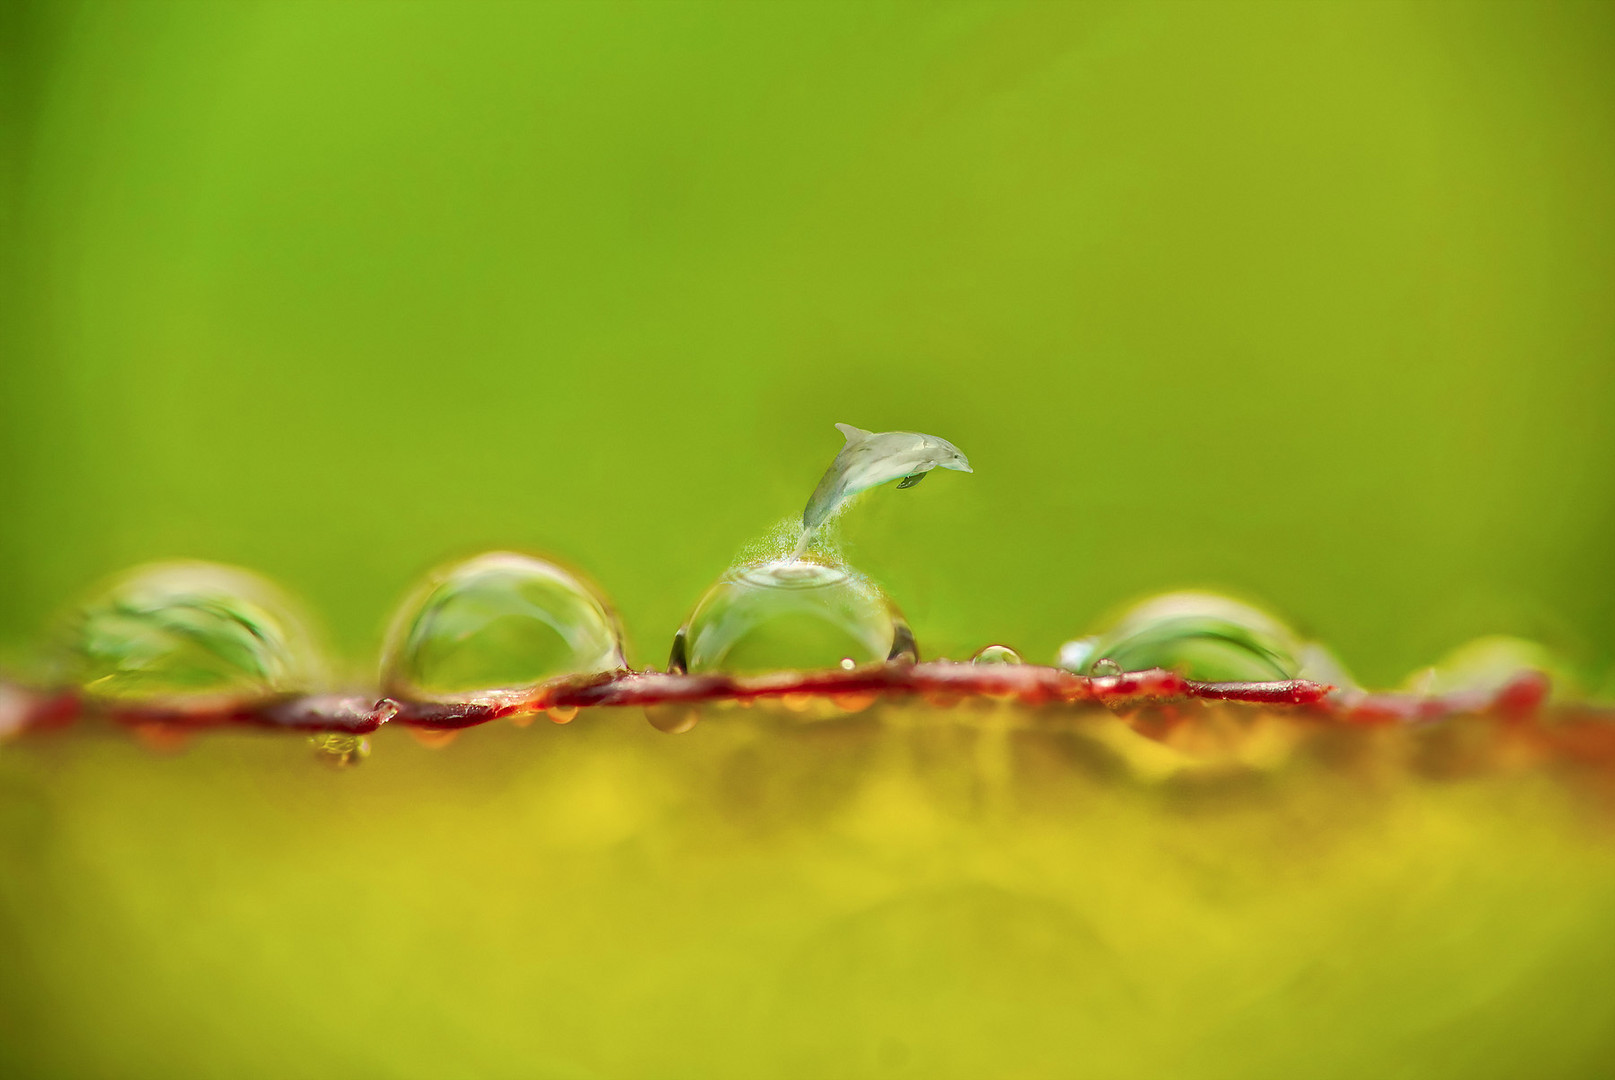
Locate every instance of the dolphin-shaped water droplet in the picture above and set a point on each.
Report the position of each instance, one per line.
(870, 459)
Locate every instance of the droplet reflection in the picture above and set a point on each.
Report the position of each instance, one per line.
(189, 630)
(496, 622)
(340, 751)
(790, 614)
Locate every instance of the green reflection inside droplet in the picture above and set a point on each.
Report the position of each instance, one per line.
(188, 629)
(1201, 635)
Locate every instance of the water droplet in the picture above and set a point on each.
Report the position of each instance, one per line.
(790, 614)
(433, 738)
(1318, 664)
(189, 630)
(1104, 668)
(1202, 636)
(340, 751)
(1487, 664)
(500, 621)
(562, 714)
(673, 719)
(848, 663)
(996, 654)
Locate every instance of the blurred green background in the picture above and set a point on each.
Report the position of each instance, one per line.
(1307, 301)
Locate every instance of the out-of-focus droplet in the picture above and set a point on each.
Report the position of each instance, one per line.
(674, 718)
(189, 630)
(340, 751)
(1487, 664)
(848, 663)
(1104, 668)
(433, 738)
(1318, 664)
(1202, 636)
(790, 614)
(996, 654)
(500, 621)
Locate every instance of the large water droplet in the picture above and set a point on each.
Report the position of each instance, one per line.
(500, 621)
(791, 614)
(1203, 636)
(189, 630)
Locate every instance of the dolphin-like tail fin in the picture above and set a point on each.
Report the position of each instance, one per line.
(853, 433)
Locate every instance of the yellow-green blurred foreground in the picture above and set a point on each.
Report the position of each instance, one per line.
(910, 893)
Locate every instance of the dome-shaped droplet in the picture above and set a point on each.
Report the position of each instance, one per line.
(1487, 664)
(500, 621)
(1203, 636)
(996, 654)
(790, 614)
(188, 630)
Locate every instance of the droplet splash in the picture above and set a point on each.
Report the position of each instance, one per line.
(188, 631)
(500, 621)
(869, 459)
(1201, 636)
(790, 614)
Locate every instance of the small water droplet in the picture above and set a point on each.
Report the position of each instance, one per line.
(996, 654)
(848, 663)
(791, 614)
(1104, 668)
(500, 621)
(562, 714)
(340, 751)
(434, 738)
(188, 630)
(1202, 636)
(673, 719)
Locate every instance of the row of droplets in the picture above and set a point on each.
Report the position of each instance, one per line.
(506, 621)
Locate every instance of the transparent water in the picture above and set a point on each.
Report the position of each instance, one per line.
(790, 614)
(498, 621)
(187, 630)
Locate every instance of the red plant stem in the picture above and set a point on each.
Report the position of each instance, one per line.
(938, 682)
